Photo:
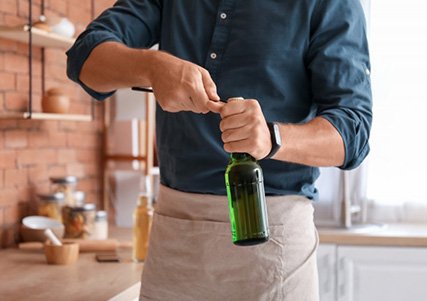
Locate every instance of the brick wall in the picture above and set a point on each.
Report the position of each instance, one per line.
(32, 151)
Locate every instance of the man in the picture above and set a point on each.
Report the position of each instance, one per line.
(302, 64)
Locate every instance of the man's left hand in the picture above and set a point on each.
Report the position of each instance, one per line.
(243, 126)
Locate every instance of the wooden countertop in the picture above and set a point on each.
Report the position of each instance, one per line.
(403, 235)
(25, 275)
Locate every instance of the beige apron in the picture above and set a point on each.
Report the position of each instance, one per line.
(191, 256)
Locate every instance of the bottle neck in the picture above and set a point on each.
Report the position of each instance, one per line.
(241, 157)
(144, 201)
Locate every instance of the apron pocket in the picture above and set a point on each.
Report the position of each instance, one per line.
(191, 259)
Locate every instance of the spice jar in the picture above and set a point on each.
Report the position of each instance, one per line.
(101, 225)
(79, 221)
(50, 205)
(66, 185)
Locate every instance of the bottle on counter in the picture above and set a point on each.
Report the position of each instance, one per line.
(246, 199)
(142, 218)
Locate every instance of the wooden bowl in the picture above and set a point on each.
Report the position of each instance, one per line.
(66, 254)
(32, 228)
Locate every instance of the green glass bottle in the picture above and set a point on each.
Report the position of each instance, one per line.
(246, 200)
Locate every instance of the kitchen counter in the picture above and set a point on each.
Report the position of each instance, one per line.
(25, 275)
(404, 235)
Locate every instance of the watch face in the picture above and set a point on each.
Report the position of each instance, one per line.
(277, 134)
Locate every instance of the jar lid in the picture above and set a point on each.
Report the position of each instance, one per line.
(64, 180)
(85, 207)
(52, 197)
(101, 215)
(79, 197)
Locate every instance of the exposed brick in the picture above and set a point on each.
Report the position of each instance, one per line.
(38, 174)
(66, 155)
(1, 139)
(15, 177)
(1, 180)
(9, 6)
(81, 141)
(49, 126)
(7, 81)
(8, 196)
(24, 6)
(87, 156)
(78, 15)
(1, 61)
(57, 139)
(11, 214)
(60, 6)
(7, 159)
(36, 157)
(23, 83)
(29, 124)
(67, 126)
(57, 171)
(38, 139)
(16, 63)
(8, 124)
(76, 169)
(12, 20)
(7, 45)
(15, 139)
(16, 101)
(9, 235)
(1, 217)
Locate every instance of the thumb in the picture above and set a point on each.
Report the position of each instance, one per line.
(215, 106)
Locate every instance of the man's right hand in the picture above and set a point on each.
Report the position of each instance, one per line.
(180, 85)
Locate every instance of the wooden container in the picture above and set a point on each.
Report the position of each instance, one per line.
(66, 254)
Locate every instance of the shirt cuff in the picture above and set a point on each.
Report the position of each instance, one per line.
(355, 143)
(80, 51)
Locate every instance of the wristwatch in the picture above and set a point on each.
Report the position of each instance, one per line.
(276, 139)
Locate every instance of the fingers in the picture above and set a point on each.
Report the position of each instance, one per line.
(215, 106)
(209, 85)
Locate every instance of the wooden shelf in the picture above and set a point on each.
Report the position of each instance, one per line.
(45, 116)
(41, 38)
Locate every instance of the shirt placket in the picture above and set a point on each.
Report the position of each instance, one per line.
(219, 38)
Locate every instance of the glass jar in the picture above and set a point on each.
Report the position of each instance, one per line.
(50, 205)
(101, 225)
(79, 221)
(66, 185)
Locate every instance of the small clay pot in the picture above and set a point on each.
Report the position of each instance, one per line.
(55, 101)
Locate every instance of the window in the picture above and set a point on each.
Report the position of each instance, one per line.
(397, 164)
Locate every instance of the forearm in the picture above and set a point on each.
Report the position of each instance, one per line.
(315, 143)
(112, 65)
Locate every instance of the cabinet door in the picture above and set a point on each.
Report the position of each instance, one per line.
(326, 265)
(382, 273)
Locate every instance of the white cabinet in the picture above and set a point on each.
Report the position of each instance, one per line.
(381, 273)
(326, 264)
(351, 273)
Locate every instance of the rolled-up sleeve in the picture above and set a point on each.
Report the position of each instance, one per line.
(338, 62)
(135, 23)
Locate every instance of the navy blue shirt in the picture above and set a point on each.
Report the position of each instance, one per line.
(298, 58)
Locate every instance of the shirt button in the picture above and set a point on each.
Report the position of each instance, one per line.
(213, 55)
(223, 16)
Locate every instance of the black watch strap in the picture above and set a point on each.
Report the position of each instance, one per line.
(276, 140)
